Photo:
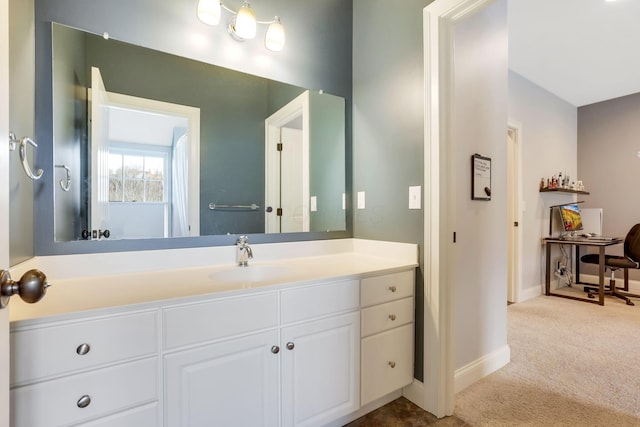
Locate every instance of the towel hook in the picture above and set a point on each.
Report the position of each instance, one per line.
(65, 186)
(22, 149)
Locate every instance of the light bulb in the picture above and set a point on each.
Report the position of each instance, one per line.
(275, 38)
(245, 26)
(209, 11)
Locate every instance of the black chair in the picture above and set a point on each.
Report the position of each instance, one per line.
(631, 259)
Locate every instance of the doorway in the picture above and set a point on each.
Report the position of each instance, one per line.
(514, 191)
(287, 168)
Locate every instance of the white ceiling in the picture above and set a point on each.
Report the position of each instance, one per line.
(583, 51)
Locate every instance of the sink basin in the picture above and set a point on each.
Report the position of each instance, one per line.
(252, 273)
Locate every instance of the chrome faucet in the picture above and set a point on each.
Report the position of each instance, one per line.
(243, 251)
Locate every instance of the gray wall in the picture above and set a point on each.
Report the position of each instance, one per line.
(609, 166)
(317, 56)
(480, 126)
(548, 146)
(388, 131)
(21, 121)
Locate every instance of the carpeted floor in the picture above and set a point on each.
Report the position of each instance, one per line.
(572, 364)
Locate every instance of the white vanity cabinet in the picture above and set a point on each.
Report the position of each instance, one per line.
(294, 352)
(99, 370)
(320, 354)
(234, 378)
(305, 354)
(387, 334)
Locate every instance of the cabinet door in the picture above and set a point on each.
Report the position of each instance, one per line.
(320, 370)
(230, 383)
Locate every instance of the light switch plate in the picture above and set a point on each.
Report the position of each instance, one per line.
(344, 201)
(314, 204)
(415, 200)
(360, 199)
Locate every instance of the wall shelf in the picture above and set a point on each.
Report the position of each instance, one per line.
(562, 190)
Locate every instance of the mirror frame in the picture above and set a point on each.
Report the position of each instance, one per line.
(48, 11)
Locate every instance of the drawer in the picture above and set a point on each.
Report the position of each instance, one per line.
(41, 353)
(197, 323)
(112, 389)
(386, 316)
(387, 362)
(390, 287)
(144, 416)
(321, 300)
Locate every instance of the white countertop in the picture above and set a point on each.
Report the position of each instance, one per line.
(71, 295)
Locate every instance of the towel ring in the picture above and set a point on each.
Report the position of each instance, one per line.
(22, 150)
(65, 186)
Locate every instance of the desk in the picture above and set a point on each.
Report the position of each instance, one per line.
(600, 244)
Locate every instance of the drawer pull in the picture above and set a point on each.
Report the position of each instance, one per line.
(392, 288)
(275, 349)
(290, 345)
(392, 317)
(83, 349)
(392, 364)
(84, 401)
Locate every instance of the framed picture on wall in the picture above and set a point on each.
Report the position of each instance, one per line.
(480, 177)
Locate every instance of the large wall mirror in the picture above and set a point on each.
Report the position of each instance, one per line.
(242, 85)
(153, 145)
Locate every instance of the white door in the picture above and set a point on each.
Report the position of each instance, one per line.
(99, 153)
(291, 189)
(320, 370)
(4, 205)
(232, 383)
(293, 116)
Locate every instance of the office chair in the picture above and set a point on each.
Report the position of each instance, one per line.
(631, 259)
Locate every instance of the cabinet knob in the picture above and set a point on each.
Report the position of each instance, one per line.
(392, 288)
(392, 317)
(83, 349)
(290, 345)
(275, 349)
(392, 364)
(84, 401)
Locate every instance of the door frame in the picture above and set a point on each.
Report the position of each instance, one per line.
(299, 106)
(515, 211)
(4, 206)
(439, 18)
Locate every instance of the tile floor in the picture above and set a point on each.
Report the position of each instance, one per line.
(402, 413)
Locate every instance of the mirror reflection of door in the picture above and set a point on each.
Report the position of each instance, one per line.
(140, 175)
(287, 168)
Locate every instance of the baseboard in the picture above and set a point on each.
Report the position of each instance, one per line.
(480, 368)
(529, 293)
(414, 392)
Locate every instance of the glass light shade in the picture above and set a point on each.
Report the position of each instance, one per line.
(209, 11)
(275, 38)
(245, 26)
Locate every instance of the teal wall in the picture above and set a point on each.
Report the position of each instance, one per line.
(388, 131)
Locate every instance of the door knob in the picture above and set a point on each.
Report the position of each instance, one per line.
(31, 287)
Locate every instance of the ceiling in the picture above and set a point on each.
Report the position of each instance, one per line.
(583, 51)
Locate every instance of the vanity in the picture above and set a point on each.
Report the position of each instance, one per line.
(309, 334)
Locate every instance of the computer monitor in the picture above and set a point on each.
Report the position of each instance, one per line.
(571, 218)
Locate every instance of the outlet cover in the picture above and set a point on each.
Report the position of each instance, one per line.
(415, 200)
(314, 204)
(361, 200)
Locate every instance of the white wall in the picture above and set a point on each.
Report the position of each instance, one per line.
(480, 126)
(549, 145)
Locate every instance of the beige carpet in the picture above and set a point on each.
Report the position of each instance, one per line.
(572, 364)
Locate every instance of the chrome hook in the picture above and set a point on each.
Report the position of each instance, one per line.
(22, 143)
(65, 186)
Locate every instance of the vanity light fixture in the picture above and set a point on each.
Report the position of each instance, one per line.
(243, 23)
